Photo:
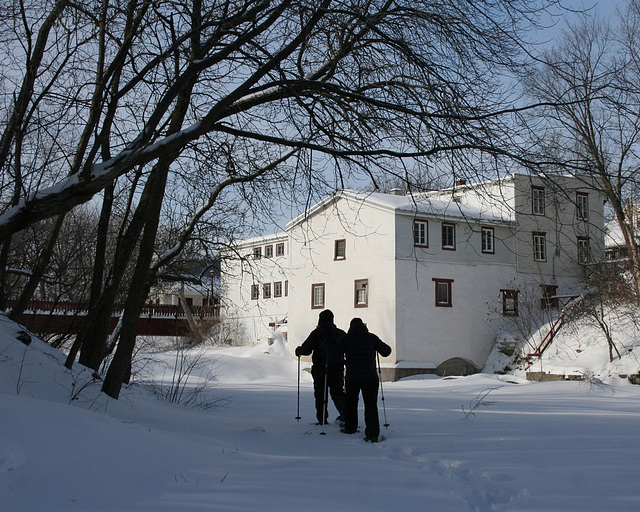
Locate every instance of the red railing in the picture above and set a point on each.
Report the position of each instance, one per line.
(576, 302)
(148, 311)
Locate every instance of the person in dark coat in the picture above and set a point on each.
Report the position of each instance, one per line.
(327, 365)
(360, 347)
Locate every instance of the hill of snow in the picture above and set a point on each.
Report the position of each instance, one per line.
(480, 443)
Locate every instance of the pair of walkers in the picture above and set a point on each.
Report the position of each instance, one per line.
(331, 349)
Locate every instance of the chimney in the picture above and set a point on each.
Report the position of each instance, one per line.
(461, 182)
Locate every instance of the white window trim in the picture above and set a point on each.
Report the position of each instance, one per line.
(422, 238)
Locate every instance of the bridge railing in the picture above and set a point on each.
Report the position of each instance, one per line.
(148, 311)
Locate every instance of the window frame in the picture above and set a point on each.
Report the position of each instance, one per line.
(340, 243)
(257, 253)
(506, 295)
(417, 240)
(268, 251)
(255, 292)
(358, 286)
(582, 205)
(584, 249)
(319, 286)
(266, 290)
(280, 249)
(446, 226)
(448, 286)
(277, 289)
(537, 235)
(538, 200)
(487, 229)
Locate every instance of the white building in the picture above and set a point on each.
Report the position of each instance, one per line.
(424, 271)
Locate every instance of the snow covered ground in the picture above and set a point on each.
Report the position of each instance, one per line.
(480, 443)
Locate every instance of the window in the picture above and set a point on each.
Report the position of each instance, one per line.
(255, 292)
(277, 289)
(549, 298)
(266, 290)
(286, 288)
(279, 249)
(487, 241)
(420, 233)
(537, 195)
(540, 246)
(361, 293)
(449, 237)
(268, 251)
(509, 302)
(443, 292)
(584, 250)
(317, 296)
(582, 205)
(339, 250)
(257, 253)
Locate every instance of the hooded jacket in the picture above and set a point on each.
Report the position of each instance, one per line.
(322, 343)
(360, 347)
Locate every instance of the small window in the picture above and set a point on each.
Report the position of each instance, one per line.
(537, 195)
(339, 252)
(420, 233)
(286, 288)
(279, 249)
(549, 296)
(509, 302)
(277, 289)
(266, 290)
(584, 250)
(257, 253)
(255, 292)
(361, 293)
(582, 205)
(317, 296)
(268, 251)
(448, 237)
(443, 292)
(540, 247)
(488, 241)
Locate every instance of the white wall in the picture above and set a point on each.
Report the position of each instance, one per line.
(239, 271)
(379, 247)
(561, 225)
(370, 252)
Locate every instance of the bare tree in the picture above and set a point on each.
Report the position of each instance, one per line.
(253, 96)
(591, 124)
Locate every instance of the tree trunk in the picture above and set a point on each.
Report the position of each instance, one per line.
(120, 367)
(193, 326)
(94, 331)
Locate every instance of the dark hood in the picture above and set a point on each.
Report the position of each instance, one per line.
(357, 327)
(325, 317)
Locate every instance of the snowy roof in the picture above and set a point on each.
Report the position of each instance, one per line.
(613, 234)
(262, 239)
(447, 204)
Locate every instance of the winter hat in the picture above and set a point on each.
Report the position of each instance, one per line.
(325, 317)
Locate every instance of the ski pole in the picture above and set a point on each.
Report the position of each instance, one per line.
(298, 416)
(384, 409)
